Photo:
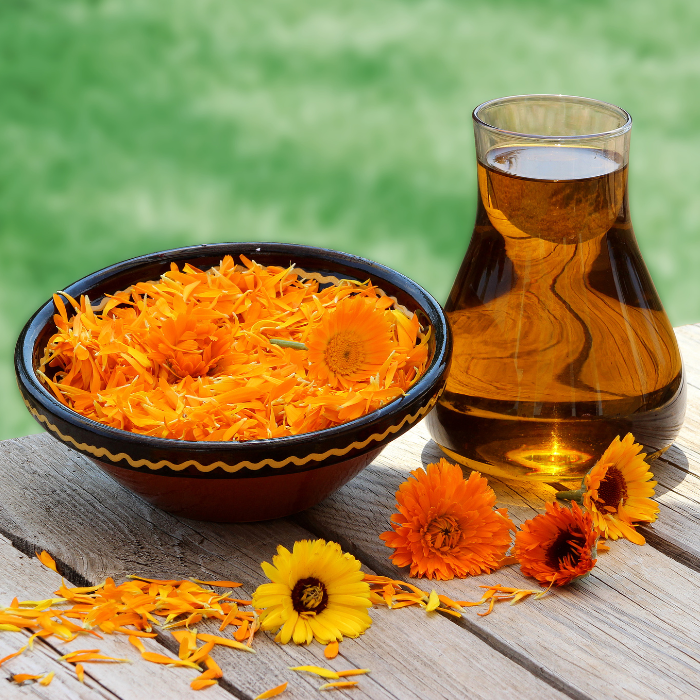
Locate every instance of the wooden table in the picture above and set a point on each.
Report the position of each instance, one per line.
(630, 630)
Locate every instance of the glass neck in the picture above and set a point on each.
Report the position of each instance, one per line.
(552, 121)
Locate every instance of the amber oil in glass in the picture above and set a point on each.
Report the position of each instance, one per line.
(560, 340)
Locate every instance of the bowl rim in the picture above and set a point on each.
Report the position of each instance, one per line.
(29, 380)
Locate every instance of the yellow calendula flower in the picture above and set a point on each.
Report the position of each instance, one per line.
(316, 592)
(618, 491)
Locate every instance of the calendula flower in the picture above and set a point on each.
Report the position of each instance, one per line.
(557, 546)
(351, 344)
(618, 491)
(317, 592)
(446, 525)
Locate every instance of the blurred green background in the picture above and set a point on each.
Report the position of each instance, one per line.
(129, 126)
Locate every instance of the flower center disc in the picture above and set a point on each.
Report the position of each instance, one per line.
(309, 595)
(443, 533)
(345, 353)
(567, 545)
(613, 488)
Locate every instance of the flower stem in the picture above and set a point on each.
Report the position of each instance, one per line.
(576, 495)
(288, 344)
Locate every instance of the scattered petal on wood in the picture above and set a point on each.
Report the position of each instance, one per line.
(273, 692)
(137, 642)
(213, 667)
(223, 641)
(433, 602)
(155, 658)
(47, 678)
(23, 677)
(338, 685)
(47, 560)
(317, 670)
(331, 650)
(353, 672)
(11, 656)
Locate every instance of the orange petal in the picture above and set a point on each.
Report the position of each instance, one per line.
(491, 604)
(47, 560)
(242, 632)
(353, 672)
(47, 678)
(331, 650)
(136, 641)
(338, 685)
(220, 584)
(166, 660)
(223, 641)
(277, 690)
(213, 667)
(22, 677)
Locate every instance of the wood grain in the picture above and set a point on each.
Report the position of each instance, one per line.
(677, 530)
(57, 500)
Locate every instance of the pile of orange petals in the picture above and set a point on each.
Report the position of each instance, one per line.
(134, 608)
(399, 594)
(189, 356)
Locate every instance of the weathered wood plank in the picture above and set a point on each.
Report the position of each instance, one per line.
(634, 619)
(26, 578)
(677, 531)
(57, 500)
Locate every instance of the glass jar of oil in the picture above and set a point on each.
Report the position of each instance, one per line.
(560, 339)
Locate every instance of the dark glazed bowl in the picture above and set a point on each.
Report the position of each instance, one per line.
(231, 481)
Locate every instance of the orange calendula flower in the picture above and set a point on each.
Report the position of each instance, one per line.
(557, 546)
(446, 525)
(352, 343)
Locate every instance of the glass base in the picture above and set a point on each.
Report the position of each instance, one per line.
(536, 465)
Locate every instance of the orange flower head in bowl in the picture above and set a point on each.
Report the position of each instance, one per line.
(557, 546)
(351, 344)
(446, 526)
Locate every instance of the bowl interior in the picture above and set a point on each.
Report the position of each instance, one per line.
(325, 265)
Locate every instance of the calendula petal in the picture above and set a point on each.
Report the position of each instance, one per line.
(47, 560)
(273, 692)
(316, 670)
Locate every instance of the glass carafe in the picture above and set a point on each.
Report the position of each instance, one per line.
(560, 339)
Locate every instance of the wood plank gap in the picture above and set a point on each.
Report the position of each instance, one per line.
(671, 550)
(381, 568)
(26, 547)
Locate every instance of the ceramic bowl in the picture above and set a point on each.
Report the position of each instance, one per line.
(232, 481)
